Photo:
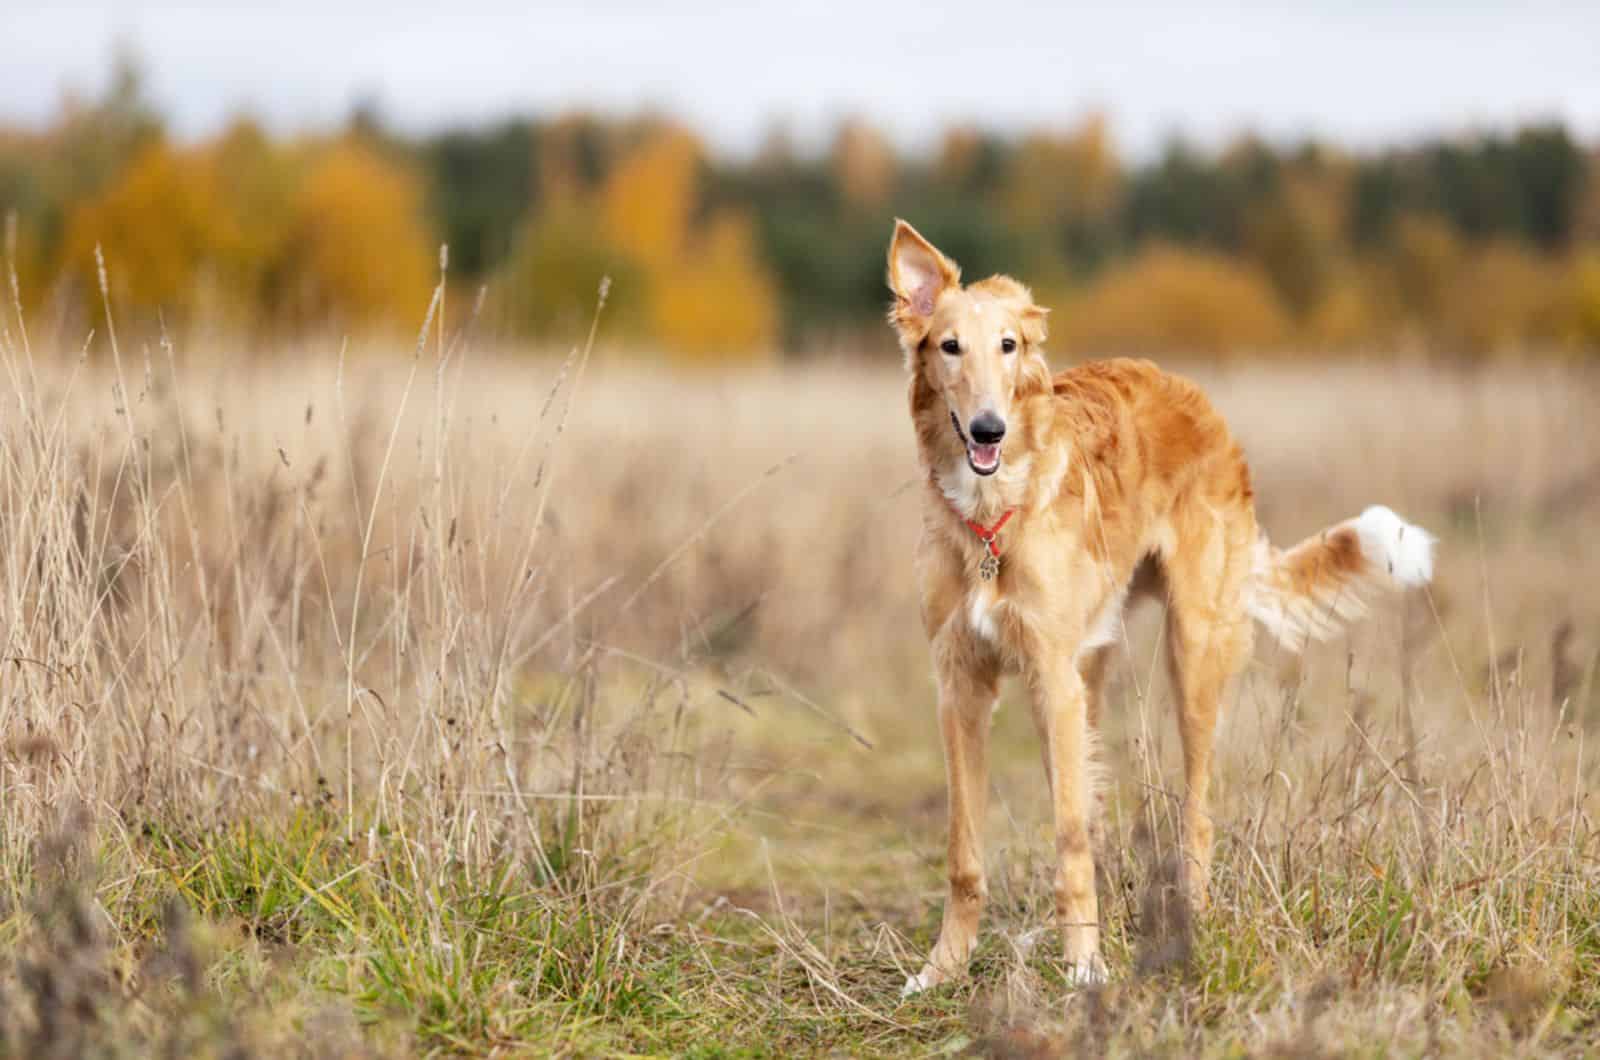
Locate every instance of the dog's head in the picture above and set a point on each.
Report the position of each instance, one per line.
(978, 346)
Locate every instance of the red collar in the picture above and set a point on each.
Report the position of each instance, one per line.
(987, 534)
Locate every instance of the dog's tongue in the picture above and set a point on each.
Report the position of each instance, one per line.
(985, 456)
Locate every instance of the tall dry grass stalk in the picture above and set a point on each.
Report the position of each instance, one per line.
(210, 618)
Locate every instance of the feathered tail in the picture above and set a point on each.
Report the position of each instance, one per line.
(1311, 591)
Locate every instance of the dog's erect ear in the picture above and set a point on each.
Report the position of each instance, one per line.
(918, 274)
(1034, 328)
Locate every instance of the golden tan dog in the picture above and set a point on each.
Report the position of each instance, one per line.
(1049, 501)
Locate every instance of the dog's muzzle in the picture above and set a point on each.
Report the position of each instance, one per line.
(983, 447)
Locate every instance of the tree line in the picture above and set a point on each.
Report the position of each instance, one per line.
(1473, 245)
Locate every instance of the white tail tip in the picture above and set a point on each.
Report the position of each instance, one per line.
(1402, 550)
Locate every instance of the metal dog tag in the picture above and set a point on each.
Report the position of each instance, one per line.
(989, 566)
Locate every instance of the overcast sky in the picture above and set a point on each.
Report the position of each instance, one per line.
(1362, 71)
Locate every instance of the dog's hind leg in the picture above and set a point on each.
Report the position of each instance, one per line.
(1208, 638)
(1060, 708)
(1094, 666)
(967, 691)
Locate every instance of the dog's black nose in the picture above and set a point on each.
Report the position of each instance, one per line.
(987, 428)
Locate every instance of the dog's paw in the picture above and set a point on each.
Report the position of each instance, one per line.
(1090, 972)
(926, 979)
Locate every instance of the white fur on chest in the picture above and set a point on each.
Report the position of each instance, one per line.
(1105, 628)
(981, 603)
(960, 487)
(967, 491)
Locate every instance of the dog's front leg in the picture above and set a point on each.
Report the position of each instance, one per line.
(967, 689)
(1060, 708)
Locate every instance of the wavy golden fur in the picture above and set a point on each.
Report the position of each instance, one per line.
(1123, 481)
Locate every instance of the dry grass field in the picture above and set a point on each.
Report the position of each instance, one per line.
(381, 703)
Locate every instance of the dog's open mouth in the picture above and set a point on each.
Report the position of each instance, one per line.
(983, 459)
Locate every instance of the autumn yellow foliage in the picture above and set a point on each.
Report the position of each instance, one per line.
(1056, 178)
(716, 302)
(1584, 301)
(1503, 300)
(1423, 265)
(240, 232)
(1343, 318)
(357, 251)
(161, 227)
(1168, 300)
(689, 281)
(1482, 247)
(257, 178)
(24, 260)
(549, 285)
(1297, 239)
(648, 202)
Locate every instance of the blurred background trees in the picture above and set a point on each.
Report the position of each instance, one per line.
(1472, 246)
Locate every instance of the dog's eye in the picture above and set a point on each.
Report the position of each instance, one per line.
(950, 346)
(1008, 345)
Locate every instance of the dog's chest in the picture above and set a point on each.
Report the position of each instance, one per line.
(982, 600)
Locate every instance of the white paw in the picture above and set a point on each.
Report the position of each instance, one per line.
(916, 984)
(1087, 973)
